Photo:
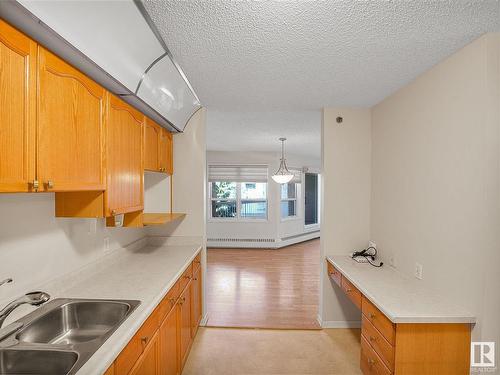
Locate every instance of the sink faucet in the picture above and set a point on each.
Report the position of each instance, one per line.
(32, 298)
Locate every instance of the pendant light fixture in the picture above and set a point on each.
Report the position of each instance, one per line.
(282, 175)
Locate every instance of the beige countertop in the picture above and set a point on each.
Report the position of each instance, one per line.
(401, 299)
(145, 274)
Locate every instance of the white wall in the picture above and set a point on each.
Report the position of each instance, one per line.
(274, 227)
(188, 190)
(345, 193)
(436, 180)
(36, 247)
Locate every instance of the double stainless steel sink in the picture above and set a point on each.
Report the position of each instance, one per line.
(60, 336)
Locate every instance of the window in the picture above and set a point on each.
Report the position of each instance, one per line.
(224, 203)
(289, 200)
(245, 200)
(253, 200)
(238, 191)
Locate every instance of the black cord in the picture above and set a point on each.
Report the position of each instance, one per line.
(369, 256)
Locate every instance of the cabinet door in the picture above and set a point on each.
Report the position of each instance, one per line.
(124, 191)
(185, 324)
(148, 362)
(70, 127)
(196, 286)
(151, 146)
(169, 349)
(166, 152)
(17, 110)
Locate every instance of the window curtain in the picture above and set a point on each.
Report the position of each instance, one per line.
(237, 173)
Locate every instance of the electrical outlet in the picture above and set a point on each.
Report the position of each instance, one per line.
(372, 244)
(418, 271)
(106, 243)
(392, 260)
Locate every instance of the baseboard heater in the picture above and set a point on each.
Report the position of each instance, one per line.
(251, 240)
(306, 234)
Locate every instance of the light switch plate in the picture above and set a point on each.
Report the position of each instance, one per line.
(418, 271)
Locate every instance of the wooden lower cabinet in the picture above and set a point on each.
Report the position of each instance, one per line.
(389, 348)
(169, 349)
(148, 362)
(161, 346)
(185, 324)
(196, 286)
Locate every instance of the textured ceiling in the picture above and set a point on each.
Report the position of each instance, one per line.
(259, 131)
(295, 55)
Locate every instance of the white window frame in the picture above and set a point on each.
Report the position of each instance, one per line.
(296, 200)
(238, 217)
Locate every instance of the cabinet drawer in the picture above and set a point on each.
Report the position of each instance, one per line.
(334, 274)
(186, 277)
(378, 343)
(196, 263)
(371, 364)
(137, 344)
(379, 320)
(351, 291)
(168, 302)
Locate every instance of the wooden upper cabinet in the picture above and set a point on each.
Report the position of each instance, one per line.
(124, 158)
(157, 148)
(71, 113)
(18, 57)
(166, 152)
(151, 146)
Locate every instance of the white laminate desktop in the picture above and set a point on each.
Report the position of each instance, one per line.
(401, 299)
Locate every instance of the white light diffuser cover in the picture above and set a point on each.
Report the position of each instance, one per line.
(116, 36)
(282, 178)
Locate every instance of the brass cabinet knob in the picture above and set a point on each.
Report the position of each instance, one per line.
(371, 361)
(372, 339)
(50, 184)
(35, 184)
(372, 316)
(144, 340)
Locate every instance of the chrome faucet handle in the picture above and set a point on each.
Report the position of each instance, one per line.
(6, 281)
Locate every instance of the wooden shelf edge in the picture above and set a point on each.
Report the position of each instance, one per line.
(149, 219)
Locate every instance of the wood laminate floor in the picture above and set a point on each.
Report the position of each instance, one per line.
(227, 351)
(264, 288)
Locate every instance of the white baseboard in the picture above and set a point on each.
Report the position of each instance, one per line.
(297, 239)
(338, 323)
(260, 244)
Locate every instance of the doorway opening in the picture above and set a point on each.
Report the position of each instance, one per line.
(311, 199)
